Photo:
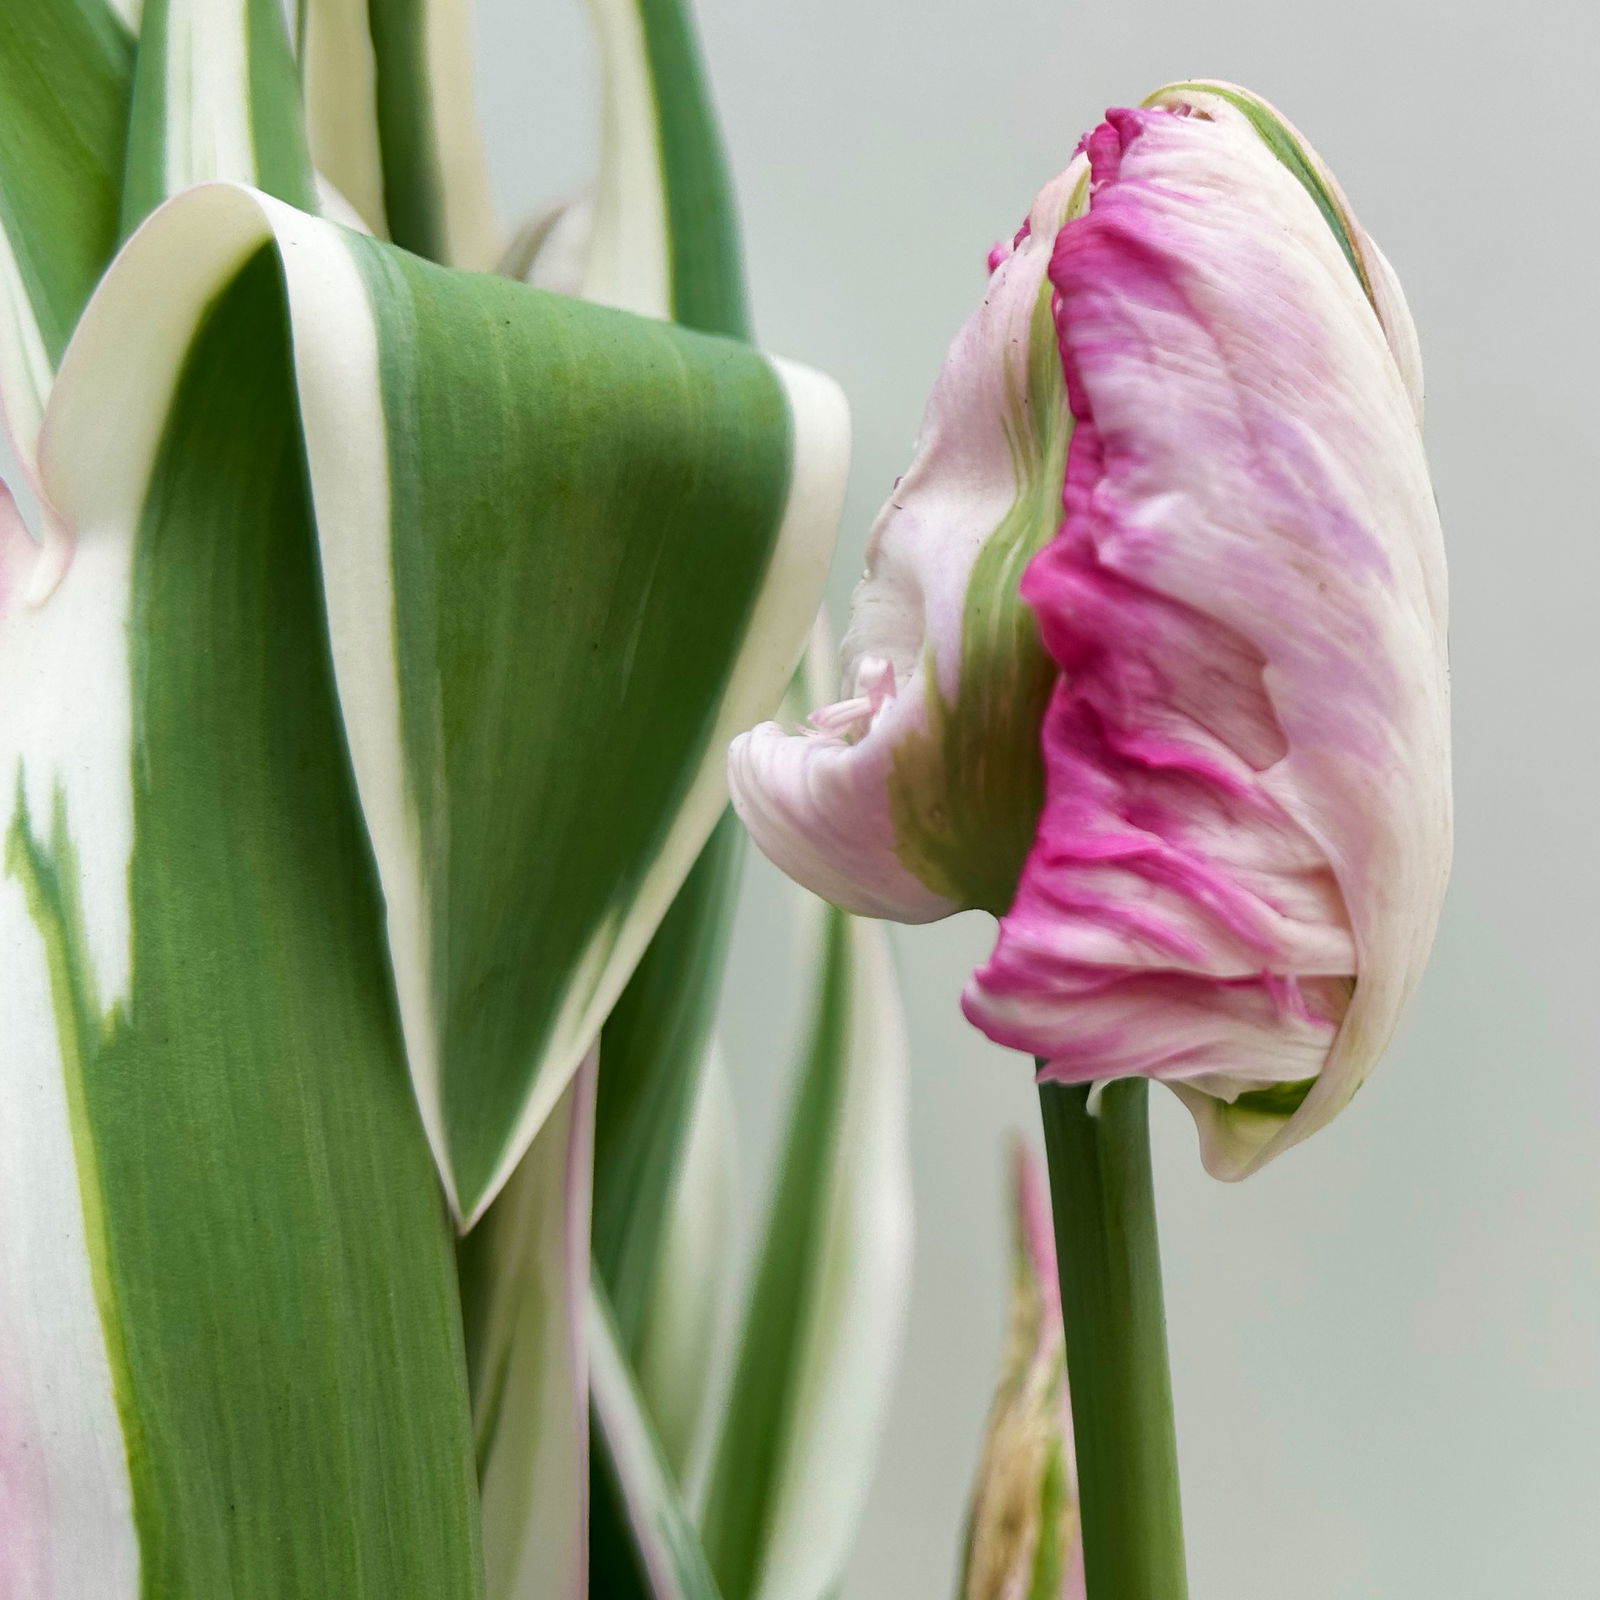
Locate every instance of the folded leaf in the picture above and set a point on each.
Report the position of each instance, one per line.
(199, 1021)
(823, 1323)
(525, 1275)
(564, 552)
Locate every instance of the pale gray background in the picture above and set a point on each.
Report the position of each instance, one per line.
(1385, 1346)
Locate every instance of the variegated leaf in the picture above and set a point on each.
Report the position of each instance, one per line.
(66, 72)
(538, 520)
(524, 1279)
(392, 122)
(212, 1147)
(824, 1318)
(215, 96)
(650, 1550)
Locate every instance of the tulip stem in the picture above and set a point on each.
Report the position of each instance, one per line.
(1103, 1203)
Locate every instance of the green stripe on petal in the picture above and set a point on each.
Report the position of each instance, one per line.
(823, 1321)
(1286, 143)
(967, 836)
(216, 97)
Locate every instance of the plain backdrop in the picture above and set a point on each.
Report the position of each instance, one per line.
(1385, 1347)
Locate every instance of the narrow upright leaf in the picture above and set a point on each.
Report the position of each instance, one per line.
(653, 1552)
(339, 79)
(434, 170)
(681, 1339)
(66, 69)
(525, 1276)
(215, 96)
(823, 1322)
(657, 1054)
(665, 230)
(662, 240)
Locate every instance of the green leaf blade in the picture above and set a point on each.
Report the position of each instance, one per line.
(66, 69)
(216, 97)
(652, 1552)
(658, 542)
(566, 553)
(277, 1280)
(823, 1319)
(434, 173)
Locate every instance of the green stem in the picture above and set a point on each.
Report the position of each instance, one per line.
(1103, 1203)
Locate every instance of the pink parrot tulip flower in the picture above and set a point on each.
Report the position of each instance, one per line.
(1149, 656)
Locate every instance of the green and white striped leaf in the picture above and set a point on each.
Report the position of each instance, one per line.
(392, 122)
(658, 1057)
(664, 235)
(565, 553)
(339, 80)
(215, 97)
(823, 1323)
(683, 1337)
(66, 71)
(652, 1550)
(251, 1297)
(524, 1279)
(659, 238)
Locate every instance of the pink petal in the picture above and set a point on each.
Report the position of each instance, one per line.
(1247, 807)
(867, 808)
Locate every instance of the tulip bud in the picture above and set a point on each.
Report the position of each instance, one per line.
(1184, 427)
(1022, 1530)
